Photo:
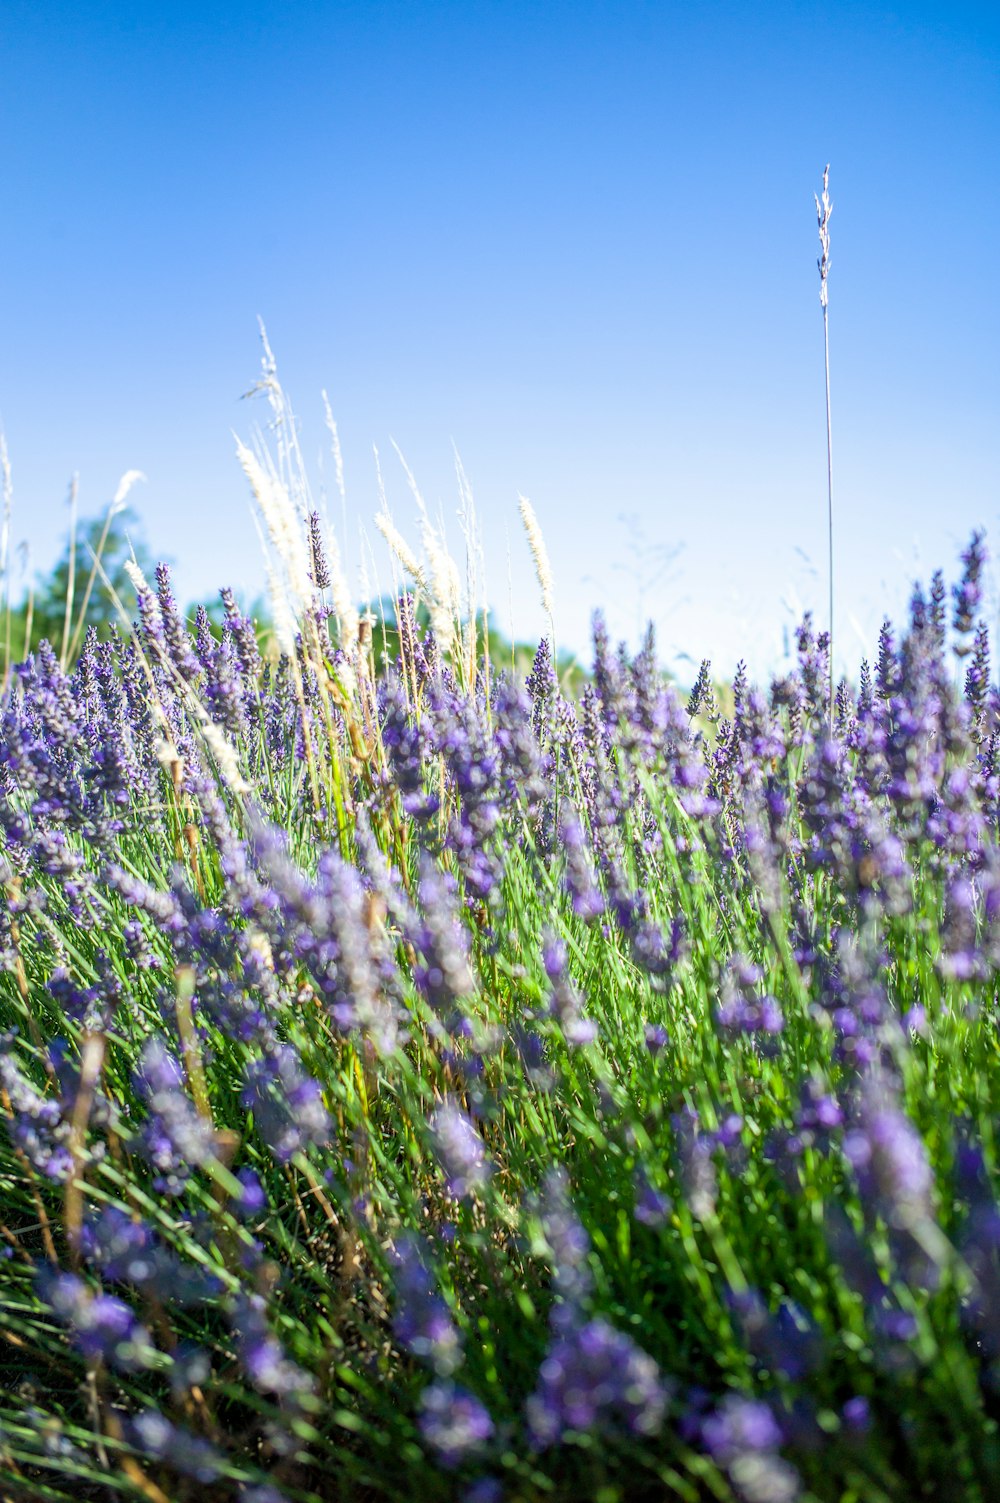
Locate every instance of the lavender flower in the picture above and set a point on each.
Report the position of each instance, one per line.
(453, 1422)
(595, 1379)
(460, 1151)
(743, 1436)
(579, 878)
(37, 1125)
(566, 1003)
(652, 1206)
(175, 1138)
(100, 1326)
(968, 592)
(889, 1159)
(567, 1240)
(253, 1199)
(423, 1322)
(786, 1342)
(154, 1437)
(262, 1356)
(741, 1009)
(697, 1169)
(286, 1102)
(702, 699)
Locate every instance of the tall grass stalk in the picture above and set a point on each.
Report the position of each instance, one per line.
(8, 502)
(71, 581)
(540, 557)
(125, 484)
(824, 209)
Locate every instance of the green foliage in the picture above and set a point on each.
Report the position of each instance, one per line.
(94, 559)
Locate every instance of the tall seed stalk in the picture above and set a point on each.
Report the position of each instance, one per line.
(71, 578)
(824, 209)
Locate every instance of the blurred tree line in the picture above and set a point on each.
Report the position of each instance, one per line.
(89, 586)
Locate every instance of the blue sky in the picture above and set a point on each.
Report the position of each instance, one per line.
(577, 240)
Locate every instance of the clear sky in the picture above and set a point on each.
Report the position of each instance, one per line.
(575, 239)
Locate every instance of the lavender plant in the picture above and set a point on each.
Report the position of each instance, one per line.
(421, 1083)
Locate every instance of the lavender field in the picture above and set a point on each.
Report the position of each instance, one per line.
(419, 1082)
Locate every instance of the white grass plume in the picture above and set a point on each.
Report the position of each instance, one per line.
(125, 484)
(139, 581)
(338, 458)
(402, 551)
(284, 525)
(225, 755)
(476, 597)
(540, 554)
(291, 469)
(344, 608)
(282, 611)
(444, 585)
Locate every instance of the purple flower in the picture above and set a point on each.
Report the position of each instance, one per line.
(595, 1379)
(578, 877)
(657, 1037)
(743, 1436)
(175, 1137)
(253, 1200)
(819, 1114)
(453, 1422)
(100, 1325)
(697, 1169)
(889, 1159)
(857, 1416)
(460, 1151)
(967, 593)
(446, 977)
(568, 1242)
(741, 1009)
(652, 1207)
(522, 760)
(566, 1003)
(543, 690)
(262, 1356)
(423, 1322)
(702, 698)
(127, 1250)
(286, 1102)
(155, 1438)
(484, 1490)
(740, 1424)
(785, 1342)
(38, 1127)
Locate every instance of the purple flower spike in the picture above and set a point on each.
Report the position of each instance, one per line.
(460, 1151)
(156, 1438)
(453, 1422)
(890, 1160)
(286, 1102)
(175, 1137)
(595, 1380)
(567, 1240)
(100, 1325)
(566, 1004)
(968, 593)
(253, 1199)
(857, 1416)
(263, 1357)
(423, 1322)
(743, 1436)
